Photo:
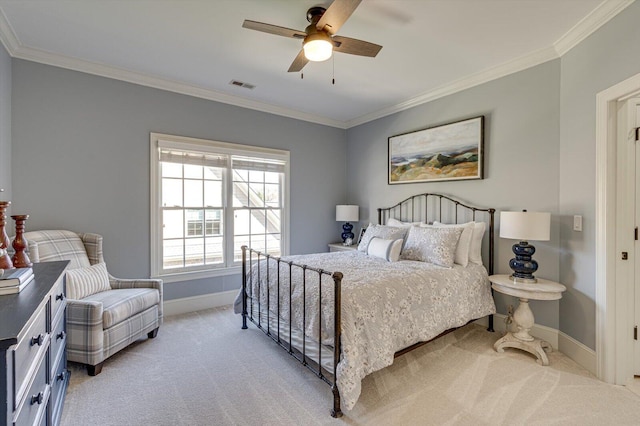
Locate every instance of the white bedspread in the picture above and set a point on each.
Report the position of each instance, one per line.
(386, 306)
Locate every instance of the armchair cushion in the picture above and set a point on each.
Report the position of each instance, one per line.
(83, 282)
(119, 305)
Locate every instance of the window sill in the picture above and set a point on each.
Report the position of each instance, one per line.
(197, 275)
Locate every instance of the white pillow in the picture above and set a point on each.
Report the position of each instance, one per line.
(380, 231)
(400, 224)
(464, 243)
(83, 282)
(475, 251)
(388, 250)
(432, 244)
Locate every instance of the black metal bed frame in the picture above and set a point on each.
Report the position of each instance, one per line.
(416, 203)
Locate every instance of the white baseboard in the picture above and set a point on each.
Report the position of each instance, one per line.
(578, 352)
(198, 303)
(558, 340)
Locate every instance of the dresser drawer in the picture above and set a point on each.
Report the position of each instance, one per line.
(58, 298)
(58, 342)
(34, 407)
(58, 386)
(32, 346)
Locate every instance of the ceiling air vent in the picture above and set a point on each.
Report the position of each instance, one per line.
(242, 84)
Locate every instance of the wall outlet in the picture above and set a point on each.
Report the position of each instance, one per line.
(577, 223)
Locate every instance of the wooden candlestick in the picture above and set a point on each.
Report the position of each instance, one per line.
(20, 258)
(5, 259)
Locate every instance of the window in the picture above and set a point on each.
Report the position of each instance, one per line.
(208, 199)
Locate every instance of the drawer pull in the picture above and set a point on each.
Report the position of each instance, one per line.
(37, 340)
(60, 296)
(60, 377)
(61, 335)
(37, 399)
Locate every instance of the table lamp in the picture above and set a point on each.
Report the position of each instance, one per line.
(524, 226)
(347, 213)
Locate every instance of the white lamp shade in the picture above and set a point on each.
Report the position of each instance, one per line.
(347, 213)
(317, 47)
(525, 226)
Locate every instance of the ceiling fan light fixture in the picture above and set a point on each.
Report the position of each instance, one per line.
(317, 47)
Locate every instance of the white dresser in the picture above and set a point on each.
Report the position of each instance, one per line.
(32, 349)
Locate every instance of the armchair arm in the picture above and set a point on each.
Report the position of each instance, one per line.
(93, 246)
(118, 283)
(85, 339)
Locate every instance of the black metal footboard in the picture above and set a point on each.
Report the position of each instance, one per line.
(268, 324)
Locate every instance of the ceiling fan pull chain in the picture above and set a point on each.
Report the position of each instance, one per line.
(333, 72)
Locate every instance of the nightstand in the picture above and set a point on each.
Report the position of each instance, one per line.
(523, 317)
(341, 247)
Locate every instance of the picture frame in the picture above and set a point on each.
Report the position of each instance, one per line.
(452, 151)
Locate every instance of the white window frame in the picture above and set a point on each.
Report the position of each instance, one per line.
(203, 145)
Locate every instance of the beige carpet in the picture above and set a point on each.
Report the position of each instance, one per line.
(202, 369)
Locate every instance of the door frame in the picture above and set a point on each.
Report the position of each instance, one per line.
(614, 362)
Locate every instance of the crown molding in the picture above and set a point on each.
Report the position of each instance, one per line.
(16, 50)
(493, 73)
(590, 24)
(7, 35)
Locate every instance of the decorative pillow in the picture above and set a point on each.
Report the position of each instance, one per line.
(464, 243)
(83, 282)
(475, 251)
(380, 231)
(388, 250)
(432, 244)
(400, 224)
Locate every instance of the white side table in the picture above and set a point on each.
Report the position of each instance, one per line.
(341, 247)
(523, 317)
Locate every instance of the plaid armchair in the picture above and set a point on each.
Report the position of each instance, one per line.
(104, 314)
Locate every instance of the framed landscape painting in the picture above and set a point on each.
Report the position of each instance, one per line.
(448, 152)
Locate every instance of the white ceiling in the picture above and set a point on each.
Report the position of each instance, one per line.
(430, 47)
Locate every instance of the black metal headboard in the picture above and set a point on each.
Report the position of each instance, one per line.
(429, 207)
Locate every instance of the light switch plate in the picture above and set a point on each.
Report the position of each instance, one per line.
(577, 223)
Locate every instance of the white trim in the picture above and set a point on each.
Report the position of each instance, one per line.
(590, 24)
(149, 80)
(198, 303)
(510, 67)
(606, 304)
(560, 341)
(226, 148)
(578, 352)
(7, 35)
(598, 17)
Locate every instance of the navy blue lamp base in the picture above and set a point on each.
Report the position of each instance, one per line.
(523, 265)
(346, 231)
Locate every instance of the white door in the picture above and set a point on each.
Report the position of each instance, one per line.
(635, 103)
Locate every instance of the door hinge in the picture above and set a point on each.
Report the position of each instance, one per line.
(635, 234)
(637, 134)
(635, 333)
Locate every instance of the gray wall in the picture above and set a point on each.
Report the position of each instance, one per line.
(604, 59)
(5, 125)
(82, 143)
(521, 160)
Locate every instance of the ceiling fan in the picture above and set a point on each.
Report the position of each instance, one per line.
(319, 39)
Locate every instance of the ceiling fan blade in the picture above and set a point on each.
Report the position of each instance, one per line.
(299, 62)
(273, 29)
(355, 47)
(336, 15)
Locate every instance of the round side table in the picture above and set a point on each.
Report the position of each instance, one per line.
(523, 316)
